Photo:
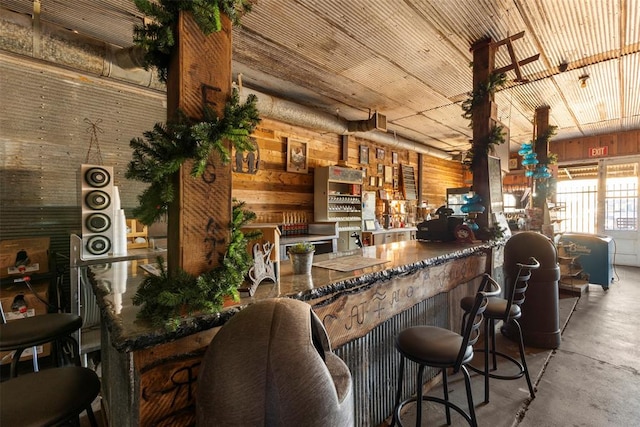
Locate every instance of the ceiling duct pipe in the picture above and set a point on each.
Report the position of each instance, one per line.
(296, 114)
(376, 122)
(129, 57)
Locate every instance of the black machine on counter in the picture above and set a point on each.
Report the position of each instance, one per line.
(441, 229)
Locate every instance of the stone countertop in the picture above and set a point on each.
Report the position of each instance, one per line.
(115, 285)
(391, 230)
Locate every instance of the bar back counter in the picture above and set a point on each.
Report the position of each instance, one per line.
(363, 297)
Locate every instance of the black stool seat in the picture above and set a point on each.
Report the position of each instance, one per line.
(49, 397)
(495, 308)
(21, 334)
(432, 346)
(36, 330)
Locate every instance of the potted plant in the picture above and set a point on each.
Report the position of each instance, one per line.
(301, 255)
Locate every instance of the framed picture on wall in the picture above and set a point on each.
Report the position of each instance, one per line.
(364, 154)
(394, 157)
(380, 154)
(380, 168)
(388, 174)
(297, 156)
(513, 163)
(369, 225)
(372, 181)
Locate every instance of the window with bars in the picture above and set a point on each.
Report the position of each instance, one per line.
(578, 197)
(577, 193)
(621, 197)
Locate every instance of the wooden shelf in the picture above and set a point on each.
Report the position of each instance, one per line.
(137, 230)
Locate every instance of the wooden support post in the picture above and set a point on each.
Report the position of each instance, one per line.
(344, 157)
(541, 127)
(420, 179)
(483, 64)
(199, 74)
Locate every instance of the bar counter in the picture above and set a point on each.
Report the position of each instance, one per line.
(149, 373)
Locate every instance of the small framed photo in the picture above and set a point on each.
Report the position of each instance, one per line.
(364, 172)
(364, 154)
(380, 168)
(394, 157)
(380, 154)
(388, 174)
(297, 155)
(380, 181)
(369, 225)
(372, 181)
(513, 163)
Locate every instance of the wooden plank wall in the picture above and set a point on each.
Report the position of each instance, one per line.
(273, 191)
(437, 176)
(618, 144)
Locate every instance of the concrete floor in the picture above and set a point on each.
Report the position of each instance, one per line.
(592, 379)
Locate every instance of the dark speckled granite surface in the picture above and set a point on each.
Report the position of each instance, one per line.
(116, 284)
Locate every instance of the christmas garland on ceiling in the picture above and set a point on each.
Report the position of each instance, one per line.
(157, 37)
(167, 147)
(165, 300)
(479, 95)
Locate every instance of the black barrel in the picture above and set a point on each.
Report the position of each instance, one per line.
(540, 314)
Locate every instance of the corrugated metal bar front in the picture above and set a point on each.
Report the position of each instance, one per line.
(373, 361)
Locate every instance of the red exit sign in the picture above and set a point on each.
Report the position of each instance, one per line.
(599, 151)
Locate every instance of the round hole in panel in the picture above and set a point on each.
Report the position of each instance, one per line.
(98, 222)
(98, 245)
(97, 177)
(97, 200)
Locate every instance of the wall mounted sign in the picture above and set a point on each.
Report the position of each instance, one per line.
(247, 161)
(599, 151)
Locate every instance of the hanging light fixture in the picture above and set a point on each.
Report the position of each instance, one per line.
(583, 80)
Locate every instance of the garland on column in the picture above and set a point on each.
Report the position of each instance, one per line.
(157, 37)
(166, 148)
(480, 149)
(157, 159)
(165, 299)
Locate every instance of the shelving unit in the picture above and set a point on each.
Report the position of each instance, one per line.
(409, 183)
(135, 230)
(571, 272)
(338, 198)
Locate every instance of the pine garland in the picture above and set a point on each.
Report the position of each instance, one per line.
(157, 37)
(480, 149)
(165, 300)
(156, 159)
(481, 92)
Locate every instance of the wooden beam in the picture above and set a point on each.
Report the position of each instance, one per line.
(483, 64)
(520, 64)
(199, 74)
(509, 39)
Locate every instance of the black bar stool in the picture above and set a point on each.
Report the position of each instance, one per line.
(507, 310)
(49, 397)
(441, 348)
(33, 331)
